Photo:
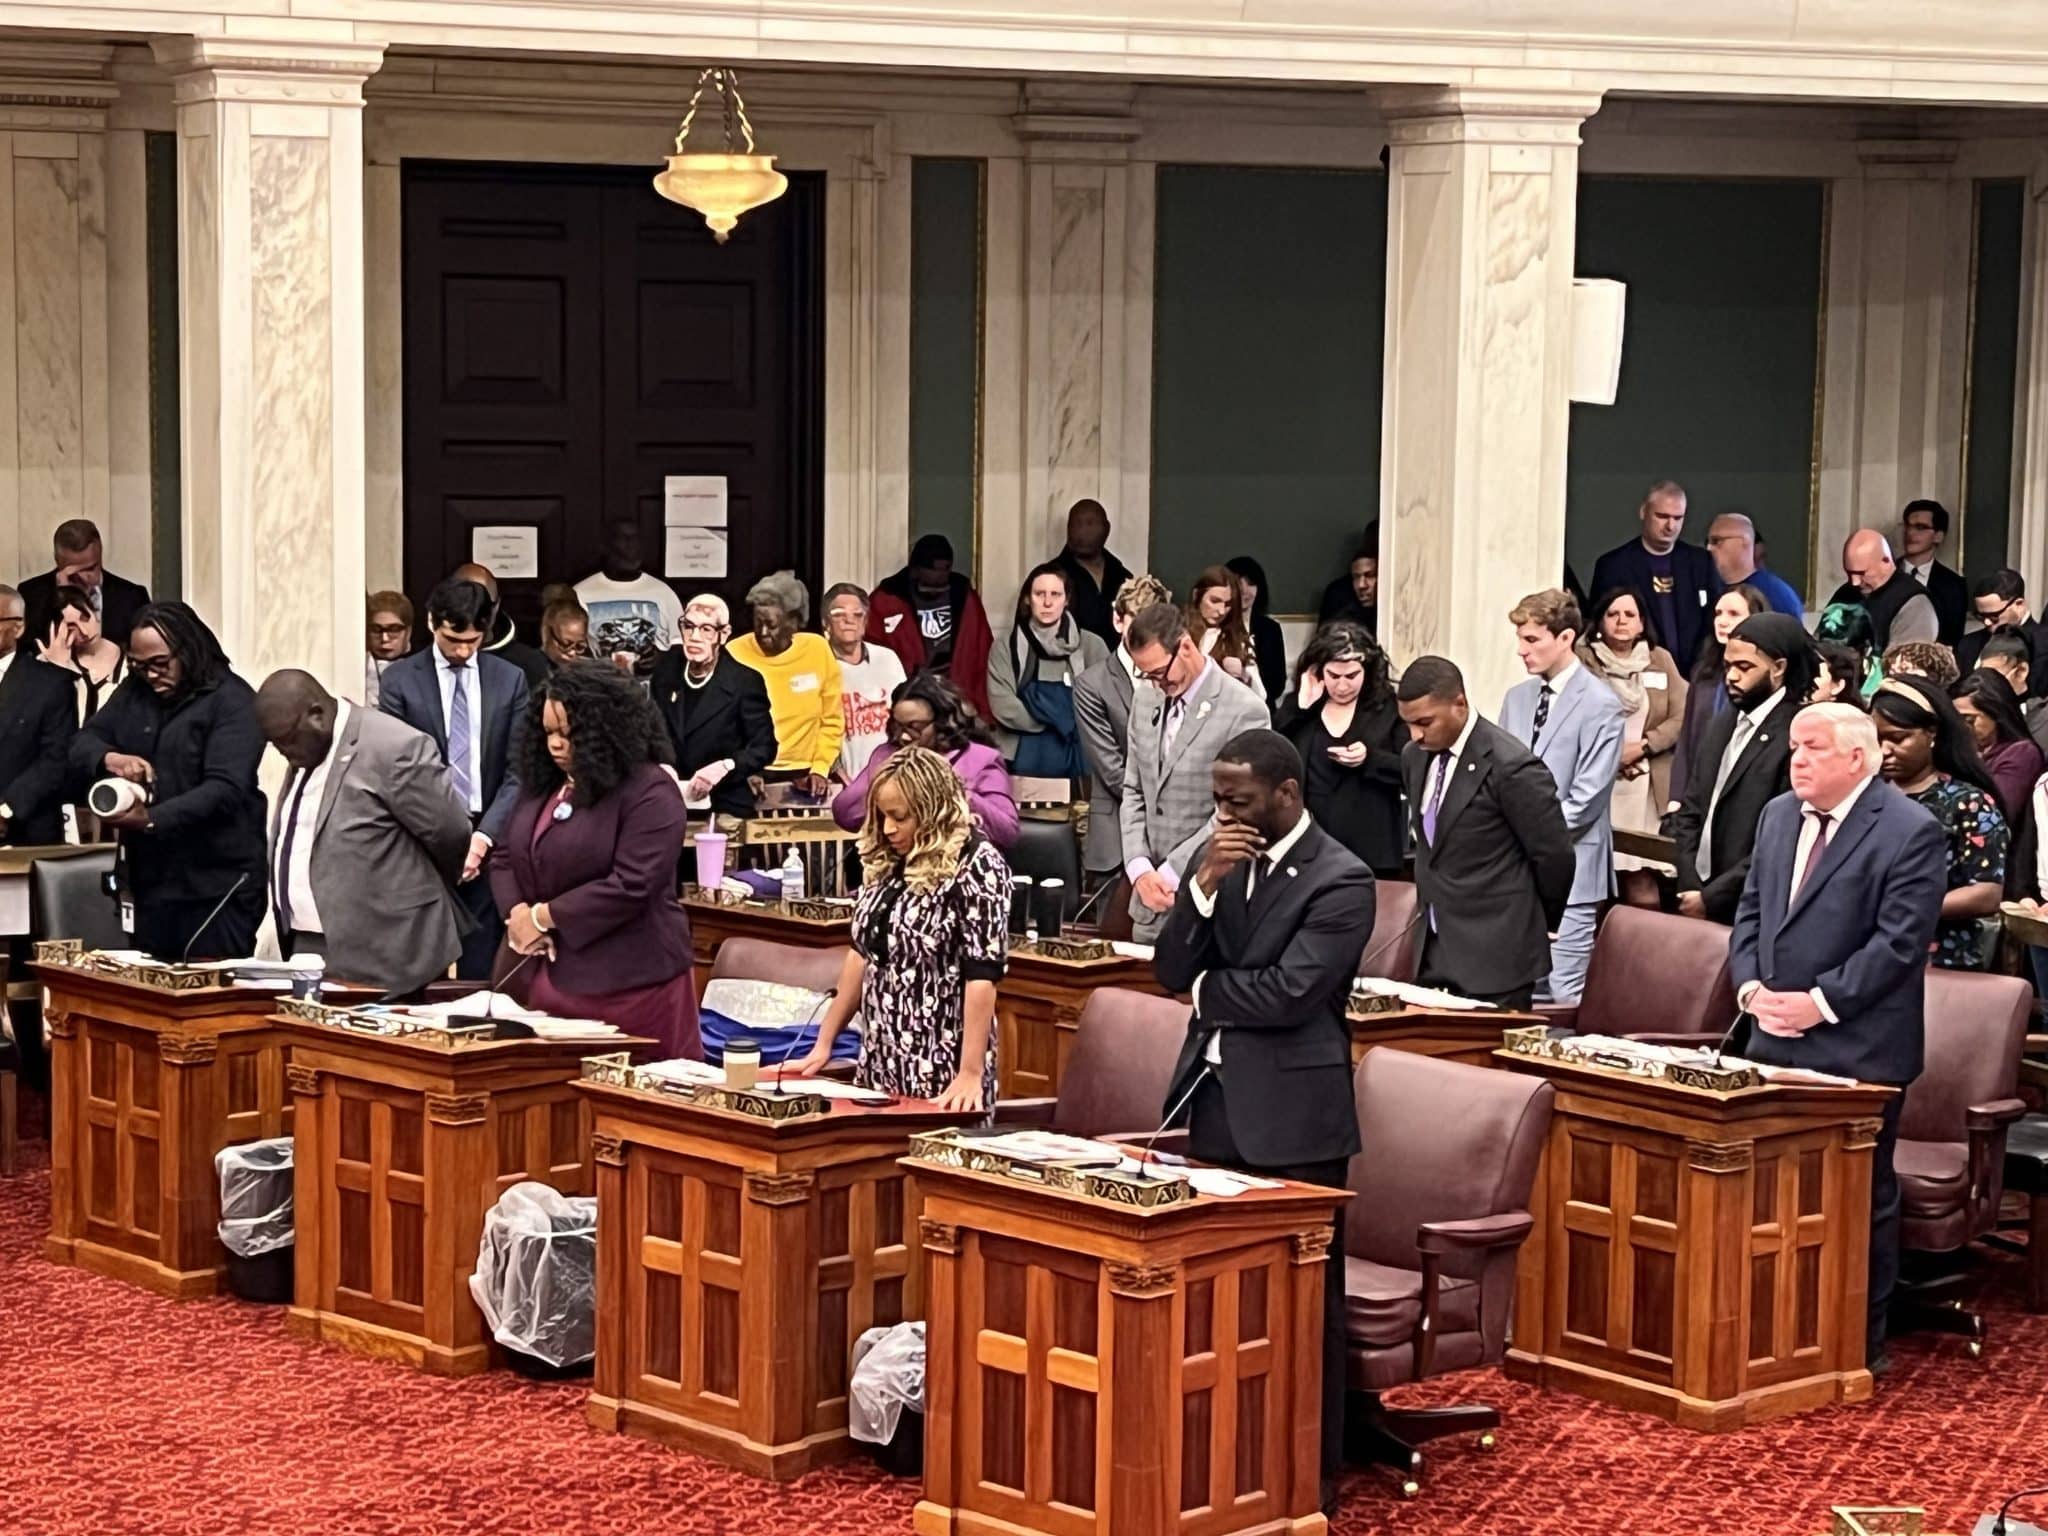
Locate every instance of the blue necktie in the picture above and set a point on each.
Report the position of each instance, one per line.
(458, 736)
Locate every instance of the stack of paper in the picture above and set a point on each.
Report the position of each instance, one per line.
(1417, 997)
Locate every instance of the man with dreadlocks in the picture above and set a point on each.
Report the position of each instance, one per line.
(184, 726)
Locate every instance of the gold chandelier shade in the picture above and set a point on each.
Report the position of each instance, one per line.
(721, 185)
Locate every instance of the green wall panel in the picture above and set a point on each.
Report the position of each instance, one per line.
(1268, 316)
(1718, 361)
(160, 172)
(945, 354)
(1994, 364)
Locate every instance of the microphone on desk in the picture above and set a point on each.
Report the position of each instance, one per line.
(1208, 1066)
(790, 1050)
(1996, 1524)
(1404, 935)
(491, 992)
(1742, 1016)
(185, 958)
(1100, 891)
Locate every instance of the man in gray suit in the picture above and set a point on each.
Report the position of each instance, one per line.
(1573, 722)
(1102, 712)
(367, 842)
(1177, 727)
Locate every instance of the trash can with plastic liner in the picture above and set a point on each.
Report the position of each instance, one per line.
(885, 1397)
(536, 1279)
(256, 1223)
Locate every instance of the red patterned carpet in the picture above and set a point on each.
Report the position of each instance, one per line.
(132, 1416)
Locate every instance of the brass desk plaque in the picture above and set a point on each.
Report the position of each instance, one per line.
(1071, 951)
(157, 975)
(955, 1149)
(1591, 1051)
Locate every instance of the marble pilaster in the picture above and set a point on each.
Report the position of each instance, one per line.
(1482, 201)
(271, 280)
(2029, 541)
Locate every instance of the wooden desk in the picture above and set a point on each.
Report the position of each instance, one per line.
(712, 923)
(1038, 1008)
(402, 1145)
(1471, 1036)
(146, 1085)
(738, 1260)
(1697, 1255)
(1094, 1367)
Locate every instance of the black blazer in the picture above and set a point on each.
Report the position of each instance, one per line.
(120, 601)
(411, 690)
(1761, 774)
(1698, 585)
(1275, 975)
(207, 819)
(38, 718)
(1270, 649)
(1360, 807)
(1858, 932)
(2034, 632)
(1500, 871)
(1950, 595)
(727, 717)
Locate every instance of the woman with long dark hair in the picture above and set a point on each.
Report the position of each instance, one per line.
(1991, 710)
(1622, 649)
(1031, 680)
(929, 712)
(586, 874)
(1215, 619)
(1269, 646)
(1929, 756)
(1343, 721)
(80, 646)
(1707, 695)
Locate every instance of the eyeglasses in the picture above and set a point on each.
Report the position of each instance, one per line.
(153, 666)
(389, 631)
(1160, 678)
(1919, 527)
(702, 629)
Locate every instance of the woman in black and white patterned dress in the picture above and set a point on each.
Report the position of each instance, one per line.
(930, 942)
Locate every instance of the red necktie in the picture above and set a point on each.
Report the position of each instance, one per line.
(1815, 854)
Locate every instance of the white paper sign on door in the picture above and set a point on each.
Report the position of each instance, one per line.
(697, 552)
(693, 501)
(510, 554)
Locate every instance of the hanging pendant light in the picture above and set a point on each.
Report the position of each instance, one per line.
(724, 185)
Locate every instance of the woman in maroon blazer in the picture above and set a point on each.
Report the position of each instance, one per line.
(586, 875)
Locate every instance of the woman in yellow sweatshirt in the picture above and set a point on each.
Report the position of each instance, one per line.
(802, 676)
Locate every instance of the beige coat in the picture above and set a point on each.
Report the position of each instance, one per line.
(1666, 715)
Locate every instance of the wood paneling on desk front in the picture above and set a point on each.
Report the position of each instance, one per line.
(738, 1261)
(402, 1145)
(146, 1085)
(1701, 1256)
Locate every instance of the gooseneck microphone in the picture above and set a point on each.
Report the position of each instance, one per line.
(781, 1074)
(1741, 1015)
(241, 880)
(491, 987)
(1208, 1067)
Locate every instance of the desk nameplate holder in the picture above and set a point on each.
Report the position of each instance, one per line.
(388, 1026)
(952, 1149)
(1535, 1040)
(1067, 951)
(72, 955)
(618, 1071)
(809, 909)
(1362, 1004)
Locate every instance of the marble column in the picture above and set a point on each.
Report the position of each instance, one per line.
(1068, 339)
(1482, 198)
(2029, 539)
(1895, 376)
(270, 304)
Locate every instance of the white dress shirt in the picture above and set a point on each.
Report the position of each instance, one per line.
(1809, 834)
(1746, 724)
(302, 797)
(1264, 867)
(6, 661)
(1919, 573)
(1445, 764)
(473, 689)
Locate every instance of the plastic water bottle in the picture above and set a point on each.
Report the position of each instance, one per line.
(793, 876)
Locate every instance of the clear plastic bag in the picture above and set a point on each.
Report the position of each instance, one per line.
(536, 1273)
(888, 1376)
(256, 1197)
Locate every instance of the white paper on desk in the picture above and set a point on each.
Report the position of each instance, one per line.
(1224, 1182)
(698, 552)
(496, 1005)
(1418, 997)
(693, 501)
(509, 553)
(1132, 951)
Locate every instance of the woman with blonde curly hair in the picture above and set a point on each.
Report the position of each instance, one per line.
(930, 941)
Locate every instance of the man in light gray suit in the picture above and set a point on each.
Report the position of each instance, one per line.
(367, 842)
(1573, 722)
(1102, 712)
(1178, 726)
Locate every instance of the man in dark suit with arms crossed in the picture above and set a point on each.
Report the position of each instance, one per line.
(1494, 862)
(1829, 951)
(1266, 938)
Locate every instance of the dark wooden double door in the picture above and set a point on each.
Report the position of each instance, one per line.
(571, 338)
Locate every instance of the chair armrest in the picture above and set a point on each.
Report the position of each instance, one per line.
(1989, 1117)
(1024, 1111)
(1558, 1015)
(1481, 1232)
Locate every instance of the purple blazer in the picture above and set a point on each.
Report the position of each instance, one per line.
(981, 770)
(608, 875)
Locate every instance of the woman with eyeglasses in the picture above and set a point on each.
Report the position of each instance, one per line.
(929, 712)
(717, 712)
(390, 639)
(1342, 719)
(565, 633)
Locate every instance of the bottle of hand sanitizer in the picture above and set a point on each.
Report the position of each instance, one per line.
(793, 876)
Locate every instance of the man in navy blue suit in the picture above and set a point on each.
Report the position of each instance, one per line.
(1677, 578)
(1829, 951)
(472, 703)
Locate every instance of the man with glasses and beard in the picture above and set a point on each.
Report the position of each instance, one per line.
(1178, 726)
(1743, 762)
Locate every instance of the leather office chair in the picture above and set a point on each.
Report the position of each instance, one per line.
(1115, 1082)
(1450, 1152)
(1952, 1130)
(1395, 948)
(794, 965)
(1048, 850)
(1656, 970)
(67, 899)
